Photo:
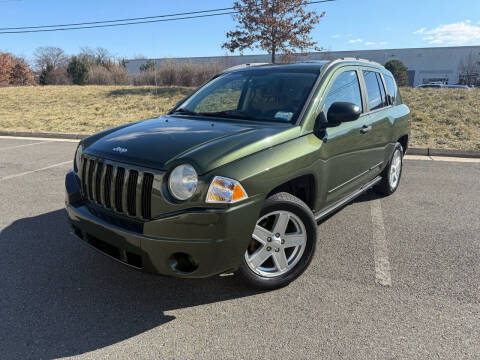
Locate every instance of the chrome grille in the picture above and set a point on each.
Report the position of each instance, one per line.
(117, 186)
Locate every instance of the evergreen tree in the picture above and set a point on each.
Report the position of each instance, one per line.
(78, 70)
(399, 71)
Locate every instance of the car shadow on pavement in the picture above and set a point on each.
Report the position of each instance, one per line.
(367, 196)
(61, 298)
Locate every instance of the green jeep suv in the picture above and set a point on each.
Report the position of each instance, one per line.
(237, 176)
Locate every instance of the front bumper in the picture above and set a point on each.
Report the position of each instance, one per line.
(192, 243)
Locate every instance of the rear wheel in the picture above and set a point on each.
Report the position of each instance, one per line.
(392, 173)
(282, 244)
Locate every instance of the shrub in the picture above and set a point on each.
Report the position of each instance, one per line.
(167, 73)
(78, 70)
(206, 71)
(58, 76)
(43, 78)
(54, 76)
(120, 75)
(21, 74)
(113, 75)
(14, 71)
(6, 64)
(187, 74)
(399, 71)
(171, 73)
(98, 75)
(145, 78)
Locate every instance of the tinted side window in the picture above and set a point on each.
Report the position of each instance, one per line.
(391, 87)
(375, 100)
(382, 90)
(345, 88)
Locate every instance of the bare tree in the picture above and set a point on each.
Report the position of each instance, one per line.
(87, 54)
(49, 55)
(272, 25)
(469, 69)
(98, 56)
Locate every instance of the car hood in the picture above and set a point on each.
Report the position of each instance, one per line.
(163, 142)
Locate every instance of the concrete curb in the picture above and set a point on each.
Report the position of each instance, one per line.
(444, 152)
(410, 151)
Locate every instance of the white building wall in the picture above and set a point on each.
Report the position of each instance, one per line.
(426, 63)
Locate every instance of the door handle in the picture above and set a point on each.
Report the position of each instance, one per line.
(365, 129)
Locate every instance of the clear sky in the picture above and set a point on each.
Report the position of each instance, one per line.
(348, 25)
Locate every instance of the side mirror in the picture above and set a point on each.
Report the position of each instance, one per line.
(340, 112)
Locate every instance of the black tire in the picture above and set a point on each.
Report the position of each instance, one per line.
(289, 203)
(385, 186)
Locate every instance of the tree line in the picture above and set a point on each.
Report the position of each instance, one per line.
(52, 66)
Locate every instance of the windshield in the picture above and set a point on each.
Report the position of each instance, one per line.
(262, 95)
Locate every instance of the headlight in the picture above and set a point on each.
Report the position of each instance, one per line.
(182, 182)
(78, 155)
(225, 190)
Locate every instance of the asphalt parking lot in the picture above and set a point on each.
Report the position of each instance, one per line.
(393, 278)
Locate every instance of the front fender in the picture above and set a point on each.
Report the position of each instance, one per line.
(265, 170)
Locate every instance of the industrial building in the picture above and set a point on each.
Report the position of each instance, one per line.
(425, 65)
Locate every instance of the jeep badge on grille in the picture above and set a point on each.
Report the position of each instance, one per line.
(120, 149)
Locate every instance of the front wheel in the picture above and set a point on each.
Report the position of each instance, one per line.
(282, 245)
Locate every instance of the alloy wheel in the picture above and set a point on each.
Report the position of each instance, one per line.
(277, 244)
(395, 169)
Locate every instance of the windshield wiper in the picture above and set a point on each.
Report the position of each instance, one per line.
(185, 112)
(227, 114)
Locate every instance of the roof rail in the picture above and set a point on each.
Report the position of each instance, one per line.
(241, 66)
(358, 59)
(333, 62)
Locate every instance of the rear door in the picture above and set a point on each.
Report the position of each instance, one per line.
(379, 124)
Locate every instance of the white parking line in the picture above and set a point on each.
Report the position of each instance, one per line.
(34, 171)
(20, 146)
(380, 248)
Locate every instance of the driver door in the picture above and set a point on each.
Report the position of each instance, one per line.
(345, 148)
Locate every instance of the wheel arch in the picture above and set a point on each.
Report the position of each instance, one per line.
(302, 187)
(403, 140)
